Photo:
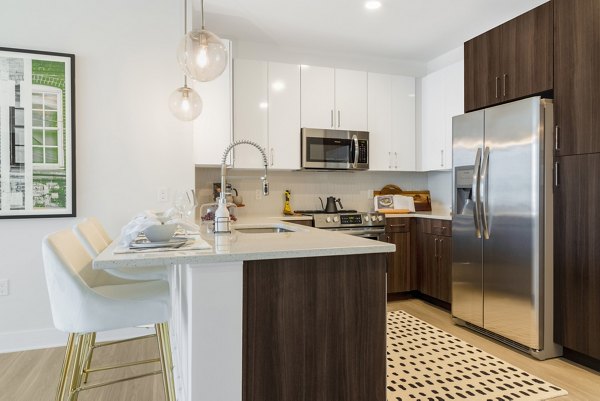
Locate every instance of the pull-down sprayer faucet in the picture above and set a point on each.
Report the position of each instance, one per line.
(222, 219)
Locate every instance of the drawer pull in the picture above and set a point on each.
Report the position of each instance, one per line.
(397, 225)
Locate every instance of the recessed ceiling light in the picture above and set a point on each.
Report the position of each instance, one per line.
(372, 5)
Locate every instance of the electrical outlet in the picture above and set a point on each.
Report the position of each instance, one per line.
(258, 194)
(3, 288)
(163, 194)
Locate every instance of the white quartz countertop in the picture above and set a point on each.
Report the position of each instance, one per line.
(441, 214)
(238, 246)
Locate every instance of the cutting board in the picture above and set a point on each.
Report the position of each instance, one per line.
(422, 198)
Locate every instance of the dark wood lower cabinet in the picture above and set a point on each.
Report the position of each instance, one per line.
(436, 267)
(401, 274)
(315, 329)
(434, 259)
(577, 254)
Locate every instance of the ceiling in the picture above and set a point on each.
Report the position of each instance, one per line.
(410, 30)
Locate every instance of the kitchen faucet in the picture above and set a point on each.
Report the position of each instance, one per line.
(222, 219)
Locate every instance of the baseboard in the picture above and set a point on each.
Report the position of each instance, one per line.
(49, 338)
(581, 359)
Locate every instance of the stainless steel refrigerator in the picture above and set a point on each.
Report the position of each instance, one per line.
(502, 224)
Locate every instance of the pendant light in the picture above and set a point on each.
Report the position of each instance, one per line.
(201, 54)
(184, 102)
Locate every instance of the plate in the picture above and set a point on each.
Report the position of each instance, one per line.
(145, 243)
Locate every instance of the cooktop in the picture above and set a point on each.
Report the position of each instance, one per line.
(310, 212)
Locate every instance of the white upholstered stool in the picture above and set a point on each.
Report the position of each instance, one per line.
(95, 239)
(82, 304)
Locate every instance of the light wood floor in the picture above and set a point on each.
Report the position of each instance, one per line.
(32, 375)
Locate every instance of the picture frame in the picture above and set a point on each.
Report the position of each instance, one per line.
(37, 134)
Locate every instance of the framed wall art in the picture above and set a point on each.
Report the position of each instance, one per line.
(37, 134)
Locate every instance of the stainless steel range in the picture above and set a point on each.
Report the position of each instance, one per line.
(361, 224)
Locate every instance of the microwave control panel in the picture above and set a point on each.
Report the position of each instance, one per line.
(363, 152)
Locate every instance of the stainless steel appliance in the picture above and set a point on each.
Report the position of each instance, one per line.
(502, 270)
(327, 149)
(361, 224)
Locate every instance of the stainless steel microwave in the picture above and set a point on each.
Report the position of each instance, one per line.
(328, 149)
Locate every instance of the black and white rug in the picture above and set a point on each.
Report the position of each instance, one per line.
(425, 363)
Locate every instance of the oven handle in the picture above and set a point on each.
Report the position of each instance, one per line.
(355, 142)
(359, 233)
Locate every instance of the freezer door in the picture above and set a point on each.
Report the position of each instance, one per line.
(467, 279)
(510, 190)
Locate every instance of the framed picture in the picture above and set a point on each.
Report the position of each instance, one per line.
(37, 134)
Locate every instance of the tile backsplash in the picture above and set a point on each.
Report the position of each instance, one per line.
(354, 188)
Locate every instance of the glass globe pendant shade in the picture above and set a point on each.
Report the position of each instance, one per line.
(202, 56)
(185, 103)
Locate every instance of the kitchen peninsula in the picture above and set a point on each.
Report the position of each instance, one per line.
(293, 313)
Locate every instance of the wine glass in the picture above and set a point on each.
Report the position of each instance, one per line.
(185, 202)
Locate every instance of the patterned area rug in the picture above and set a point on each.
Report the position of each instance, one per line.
(425, 363)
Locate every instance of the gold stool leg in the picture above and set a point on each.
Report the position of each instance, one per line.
(166, 360)
(75, 375)
(92, 341)
(60, 392)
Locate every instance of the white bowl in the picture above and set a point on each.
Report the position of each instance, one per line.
(160, 232)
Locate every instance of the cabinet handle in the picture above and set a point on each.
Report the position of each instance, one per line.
(390, 160)
(442, 158)
(497, 80)
(435, 248)
(272, 158)
(556, 165)
(396, 159)
(339, 118)
(556, 143)
(504, 76)
(440, 252)
(397, 225)
(331, 118)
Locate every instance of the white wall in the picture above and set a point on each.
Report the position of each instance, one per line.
(127, 142)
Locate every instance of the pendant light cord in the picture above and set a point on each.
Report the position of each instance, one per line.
(202, 7)
(185, 9)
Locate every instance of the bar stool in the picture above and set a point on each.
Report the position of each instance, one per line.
(82, 304)
(95, 239)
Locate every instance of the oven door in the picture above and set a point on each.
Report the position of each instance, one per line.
(377, 234)
(334, 149)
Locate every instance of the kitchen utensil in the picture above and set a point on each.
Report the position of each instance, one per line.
(332, 203)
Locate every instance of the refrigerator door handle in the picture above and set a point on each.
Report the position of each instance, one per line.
(483, 187)
(475, 193)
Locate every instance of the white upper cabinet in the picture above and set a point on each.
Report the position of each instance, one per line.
(212, 130)
(267, 111)
(317, 97)
(350, 100)
(380, 122)
(403, 123)
(333, 98)
(284, 116)
(391, 122)
(250, 111)
(442, 97)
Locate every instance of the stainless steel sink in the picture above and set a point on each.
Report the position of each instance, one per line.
(263, 230)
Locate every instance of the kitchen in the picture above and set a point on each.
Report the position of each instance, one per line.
(143, 138)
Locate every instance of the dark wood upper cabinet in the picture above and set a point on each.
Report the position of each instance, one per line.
(577, 254)
(577, 77)
(511, 61)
